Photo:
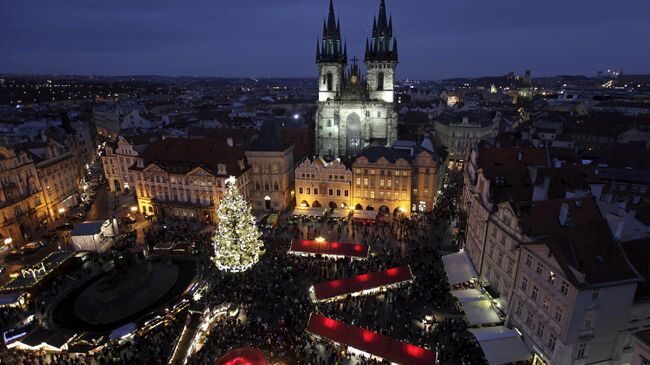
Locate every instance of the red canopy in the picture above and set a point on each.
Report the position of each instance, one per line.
(370, 342)
(243, 356)
(360, 283)
(329, 248)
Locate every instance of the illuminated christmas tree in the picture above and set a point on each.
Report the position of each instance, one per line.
(237, 246)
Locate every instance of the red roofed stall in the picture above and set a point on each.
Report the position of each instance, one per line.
(333, 249)
(368, 342)
(361, 284)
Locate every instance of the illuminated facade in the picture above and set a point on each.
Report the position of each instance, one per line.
(395, 180)
(320, 184)
(184, 178)
(22, 203)
(117, 161)
(271, 175)
(353, 111)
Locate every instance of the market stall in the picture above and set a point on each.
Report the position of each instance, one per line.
(501, 345)
(459, 269)
(328, 249)
(369, 283)
(95, 236)
(370, 344)
(312, 212)
(477, 307)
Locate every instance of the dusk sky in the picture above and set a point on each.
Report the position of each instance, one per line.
(437, 39)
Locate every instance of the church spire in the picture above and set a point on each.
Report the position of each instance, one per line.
(382, 37)
(332, 47)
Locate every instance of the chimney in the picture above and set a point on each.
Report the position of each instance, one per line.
(230, 142)
(619, 230)
(520, 156)
(564, 214)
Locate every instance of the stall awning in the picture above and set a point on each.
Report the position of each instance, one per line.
(340, 213)
(501, 345)
(362, 283)
(477, 307)
(11, 299)
(458, 267)
(314, 212)
(87, 228)
(329, 248)
(372, 343)
(365, 214)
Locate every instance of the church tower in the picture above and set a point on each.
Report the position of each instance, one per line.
(331, 57)
(381, 58)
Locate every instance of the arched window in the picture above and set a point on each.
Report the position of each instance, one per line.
(330, 80)
(380, 81)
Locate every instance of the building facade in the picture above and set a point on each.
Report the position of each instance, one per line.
(272, 171)
(22, 203)
(459, 131)
(185, 178)
(394, 180)
(354, 111)
(320, 184)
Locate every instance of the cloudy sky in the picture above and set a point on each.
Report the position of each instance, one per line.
(437, 39)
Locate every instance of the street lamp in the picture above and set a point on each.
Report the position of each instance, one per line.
(8, 241)
(61, 210)
(134, 209)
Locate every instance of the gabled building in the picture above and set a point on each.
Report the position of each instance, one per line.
(185, 178)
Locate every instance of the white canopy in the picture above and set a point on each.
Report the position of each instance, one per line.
(501, 345)
(458, 267)
(314, 212)
(477, 307)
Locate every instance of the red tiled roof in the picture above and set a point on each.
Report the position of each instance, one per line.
(637, 252)
(181, 155)
(584, 243)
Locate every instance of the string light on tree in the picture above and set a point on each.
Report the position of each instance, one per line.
(237, 246)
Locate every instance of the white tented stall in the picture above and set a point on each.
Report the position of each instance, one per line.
(459, 268)
(477, 307)
(501, 345)
(95, 236)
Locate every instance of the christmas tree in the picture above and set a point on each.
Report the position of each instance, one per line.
(237, 246)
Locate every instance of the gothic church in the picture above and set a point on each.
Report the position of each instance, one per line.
(353, 110)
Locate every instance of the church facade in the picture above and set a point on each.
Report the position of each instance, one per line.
(355, 110)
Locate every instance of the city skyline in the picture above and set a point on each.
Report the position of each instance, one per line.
(258, 39)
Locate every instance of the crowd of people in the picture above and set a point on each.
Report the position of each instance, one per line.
(274, 303)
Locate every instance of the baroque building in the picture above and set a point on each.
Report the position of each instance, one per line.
(354, 110)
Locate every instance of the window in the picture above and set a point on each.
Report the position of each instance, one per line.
(509, 270)
(380, 81)
(539, 269)
(594, 294)
(358, 181)
(551, 342)
(331, 192)
(300, 191)
(540, 329)
(372, 172)
(345, 193)
(565, 288)
(589, 322)
(558, 315)
(519, 308)
(315, 191)
(338, 192)
(389, 183)
(551, 277)
(381, 182)
(524, 283)
(329, 81)
(582, 351)
(529, 319)
(491, 251)
(529, 260)
(372, 194)
(308, 191)
(365, 182)
(546, 303)
(533, 294)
